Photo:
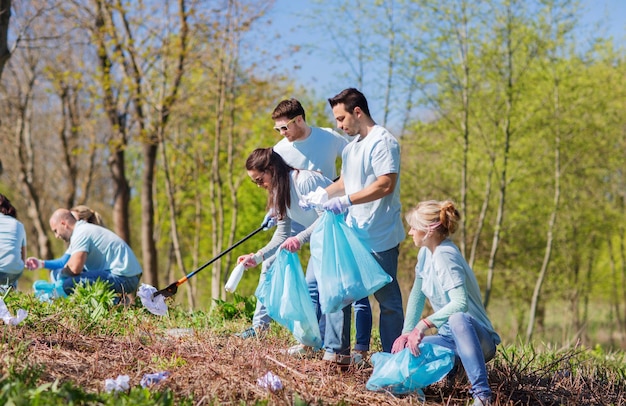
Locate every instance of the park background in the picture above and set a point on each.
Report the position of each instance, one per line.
(146, 112)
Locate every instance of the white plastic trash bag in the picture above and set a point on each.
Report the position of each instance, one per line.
(314, 199)
(8, 318)
(118, 384)
(156, 305)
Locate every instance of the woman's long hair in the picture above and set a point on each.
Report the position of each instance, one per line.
(267, 161)
(6, 207)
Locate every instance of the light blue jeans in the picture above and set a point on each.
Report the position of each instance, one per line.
(362, 313)
(261, 320)
(474, 345)
(121, 284)
(391, 320)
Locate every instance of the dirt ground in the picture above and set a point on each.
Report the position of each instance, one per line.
(220, 368)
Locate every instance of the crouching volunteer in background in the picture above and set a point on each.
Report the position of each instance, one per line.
(97, 250)
(12, 245)
(444, 277)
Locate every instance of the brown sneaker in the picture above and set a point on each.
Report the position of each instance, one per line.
(342, 361)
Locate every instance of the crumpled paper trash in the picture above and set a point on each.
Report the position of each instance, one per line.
(270, 381)
(8, 318)
(156, 305)
(314, 199)
(153, 379)
(118, 384)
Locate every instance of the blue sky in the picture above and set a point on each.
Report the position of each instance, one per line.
(287, 16)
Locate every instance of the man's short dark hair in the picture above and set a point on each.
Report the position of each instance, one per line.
(351, 98)
(288, 109)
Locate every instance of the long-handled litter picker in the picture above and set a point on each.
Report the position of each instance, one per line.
(171, 289)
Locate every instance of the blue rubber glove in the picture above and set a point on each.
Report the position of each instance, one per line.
(268, 221)
(338, 204)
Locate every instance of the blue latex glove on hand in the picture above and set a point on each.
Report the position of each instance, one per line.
(338, 204)
(291, 244)
(269, 221)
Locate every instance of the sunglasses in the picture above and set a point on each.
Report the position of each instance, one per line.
(286, 126)
(259, 181)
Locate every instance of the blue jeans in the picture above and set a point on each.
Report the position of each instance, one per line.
(389, 298)
(474, 345)
(121, 284)
(362, 313)
(261, 320)
(9, 279)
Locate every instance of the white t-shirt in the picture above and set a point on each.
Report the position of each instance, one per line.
(378, 223)
(444, 270)
(106, 251)
(317, 152)
(12, 239)
(300, 183)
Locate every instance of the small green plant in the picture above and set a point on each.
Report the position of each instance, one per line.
(168, 364)
(240, 307)
(96, 299)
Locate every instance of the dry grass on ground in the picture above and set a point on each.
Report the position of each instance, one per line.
(220, 368)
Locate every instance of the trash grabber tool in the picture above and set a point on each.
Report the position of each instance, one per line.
(172, 288)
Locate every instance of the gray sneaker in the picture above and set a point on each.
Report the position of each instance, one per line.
(300, 351)
(359, 359)
(481, 401)
(251, 332)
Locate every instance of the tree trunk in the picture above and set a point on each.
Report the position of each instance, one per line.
(5, 16)
(551, 226)
(148, 246)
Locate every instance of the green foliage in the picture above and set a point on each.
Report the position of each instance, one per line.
(95, 299)
(240, 307)
(20, 388)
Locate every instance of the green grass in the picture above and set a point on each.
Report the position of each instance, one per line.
(519, 374)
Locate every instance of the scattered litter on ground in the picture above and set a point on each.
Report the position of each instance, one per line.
(118, 384)
(270, 381)
(10, 319)
(179, 332)
(156, 305)
(153, 379)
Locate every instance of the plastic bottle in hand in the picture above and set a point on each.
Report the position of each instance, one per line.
(235, 277)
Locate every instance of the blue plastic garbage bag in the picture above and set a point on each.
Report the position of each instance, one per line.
(403, 372)
(285, 294)
(347, 270)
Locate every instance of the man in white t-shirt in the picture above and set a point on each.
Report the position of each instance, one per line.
(369, 190)
(317, 149)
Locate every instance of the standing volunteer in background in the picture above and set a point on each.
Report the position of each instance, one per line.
(444, 277)
(316, 149)
(12, 244)
(369, 190)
